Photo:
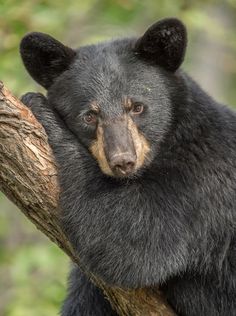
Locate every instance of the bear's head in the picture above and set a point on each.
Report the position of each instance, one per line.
(117, 97)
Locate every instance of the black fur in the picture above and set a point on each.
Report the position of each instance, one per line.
(164, 44)
(173, 223)
(50, 56)
(82, 293)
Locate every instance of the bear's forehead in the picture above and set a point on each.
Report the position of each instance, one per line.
(110, 66)
(101, 63)
(102, 70)
(108, 73)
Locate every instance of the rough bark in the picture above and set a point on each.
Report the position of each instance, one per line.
(28, 177)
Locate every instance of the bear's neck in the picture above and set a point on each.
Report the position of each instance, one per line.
(200, 127)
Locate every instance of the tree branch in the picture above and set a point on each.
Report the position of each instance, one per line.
(28, 177)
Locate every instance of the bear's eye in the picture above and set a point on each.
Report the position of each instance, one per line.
(90, 118)
(137, 108)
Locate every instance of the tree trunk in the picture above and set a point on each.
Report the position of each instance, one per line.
(28, 177)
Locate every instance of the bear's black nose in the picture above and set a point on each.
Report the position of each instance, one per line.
(123, 164)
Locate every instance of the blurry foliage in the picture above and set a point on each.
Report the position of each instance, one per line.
(33, 270)
(80, 22)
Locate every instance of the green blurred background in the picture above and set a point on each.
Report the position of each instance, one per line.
(33, 270)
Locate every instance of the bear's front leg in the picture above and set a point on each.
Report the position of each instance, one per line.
(114, 226)
(53, 125)
(63, 143)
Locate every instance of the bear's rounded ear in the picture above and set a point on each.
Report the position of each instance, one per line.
(44, 57)
(163, 44)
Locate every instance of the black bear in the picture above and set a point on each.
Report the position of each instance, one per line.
(147, 168)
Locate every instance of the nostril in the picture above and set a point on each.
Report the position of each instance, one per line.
(123, 165)
(130, 164)
(118, 166)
